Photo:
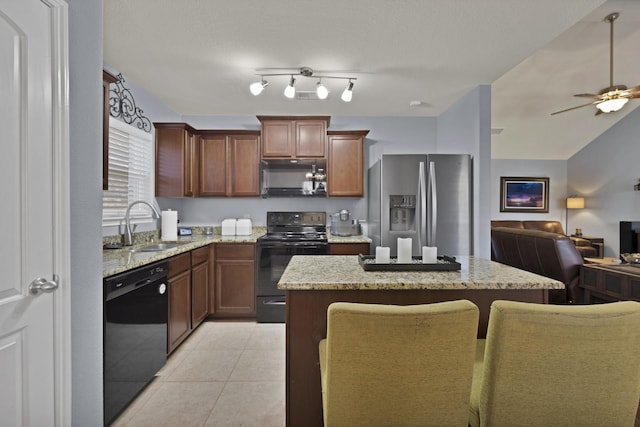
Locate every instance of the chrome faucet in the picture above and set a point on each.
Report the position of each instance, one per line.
(128, 237)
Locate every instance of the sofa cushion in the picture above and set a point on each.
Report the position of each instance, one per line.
(549, 226)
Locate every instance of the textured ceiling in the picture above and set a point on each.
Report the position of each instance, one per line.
(199, 57)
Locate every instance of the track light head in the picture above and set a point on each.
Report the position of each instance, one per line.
(348, 92)
(257, 87)
(321, 90)
(290, 90)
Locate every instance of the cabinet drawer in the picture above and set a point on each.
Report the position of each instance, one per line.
(234, 251)
(179, 263)
(200, 255)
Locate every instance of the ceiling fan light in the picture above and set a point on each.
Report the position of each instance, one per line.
(611, 105)
(257, 87)
(321, 91)
(290, 90)
(348, 92)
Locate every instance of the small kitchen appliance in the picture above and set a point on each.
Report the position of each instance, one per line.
(343, 225)
(288, 234)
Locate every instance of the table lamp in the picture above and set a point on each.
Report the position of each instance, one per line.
(574, 202)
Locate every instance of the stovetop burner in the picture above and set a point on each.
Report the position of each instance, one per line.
(296, 226)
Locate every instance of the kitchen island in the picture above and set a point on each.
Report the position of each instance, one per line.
(312, 283)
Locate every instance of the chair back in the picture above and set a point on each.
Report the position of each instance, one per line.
(549, 365)
(385, 365)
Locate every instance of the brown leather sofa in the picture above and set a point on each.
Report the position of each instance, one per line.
(551, 255)
(583, 245)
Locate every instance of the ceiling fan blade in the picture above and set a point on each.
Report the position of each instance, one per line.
(574, 108)
(632, 90)
(588, 95)
(633, 95)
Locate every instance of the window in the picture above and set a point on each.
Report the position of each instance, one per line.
(130, 174)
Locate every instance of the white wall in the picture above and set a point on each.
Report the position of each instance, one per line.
(604, 172)
(465, 128)
(85, 128)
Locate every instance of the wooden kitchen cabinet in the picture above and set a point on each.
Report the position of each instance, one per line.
(179, 288)
(349, 248)
(234, 281)
(294, 137)
(189, 282)
(176, 160)
(199, 285)
(229, 165)
(345, 165)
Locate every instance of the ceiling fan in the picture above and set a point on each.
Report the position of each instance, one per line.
(612, 98)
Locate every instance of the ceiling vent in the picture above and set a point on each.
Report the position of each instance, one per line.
(307, 95)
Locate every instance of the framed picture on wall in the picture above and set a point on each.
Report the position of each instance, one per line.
(518, 194)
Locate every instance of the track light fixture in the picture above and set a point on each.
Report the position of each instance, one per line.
(322, 92)
(348, 92)
(257, 87)
(290, 90)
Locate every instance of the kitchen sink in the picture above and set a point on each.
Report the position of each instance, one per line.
(155, 247)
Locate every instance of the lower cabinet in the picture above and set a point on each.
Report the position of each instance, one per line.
(189, 287)
(349, 248)
(234, 281)
(179, 283)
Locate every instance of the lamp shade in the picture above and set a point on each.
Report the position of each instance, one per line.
(575, 202)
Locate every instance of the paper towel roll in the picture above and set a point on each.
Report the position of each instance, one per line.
(169, 225)
(404, 250)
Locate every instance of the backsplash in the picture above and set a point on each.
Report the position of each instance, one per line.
(154, 235)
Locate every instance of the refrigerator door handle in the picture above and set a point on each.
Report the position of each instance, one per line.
(433, 198)
(422, 204)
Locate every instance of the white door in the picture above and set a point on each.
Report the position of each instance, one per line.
(34, 368)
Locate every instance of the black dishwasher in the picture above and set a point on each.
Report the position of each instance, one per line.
(135, 333)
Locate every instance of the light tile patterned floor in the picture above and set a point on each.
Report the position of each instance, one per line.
(225, 374)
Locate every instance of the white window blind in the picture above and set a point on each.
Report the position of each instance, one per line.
(130, 174)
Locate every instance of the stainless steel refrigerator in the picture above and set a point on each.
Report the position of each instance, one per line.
(426, 197)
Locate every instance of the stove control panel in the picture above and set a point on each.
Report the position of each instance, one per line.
(297, 218)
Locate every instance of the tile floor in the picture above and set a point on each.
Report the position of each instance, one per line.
(225, 374)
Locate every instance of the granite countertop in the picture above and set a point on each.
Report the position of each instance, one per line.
(347, 239)
(116, 261)
(343, 272)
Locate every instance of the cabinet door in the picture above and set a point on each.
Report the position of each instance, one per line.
(234, 280)
(277, 138)
(190, 164)
(244, 165)
(179, 309)
(345, 171)
(199, 293)
(213, 165)
(311, 138)
(176, 160)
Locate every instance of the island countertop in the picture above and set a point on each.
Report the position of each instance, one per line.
(338, 272)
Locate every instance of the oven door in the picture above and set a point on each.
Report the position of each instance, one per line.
(272, 259)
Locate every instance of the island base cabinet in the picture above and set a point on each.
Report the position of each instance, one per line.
(307, 325)
(234, 281)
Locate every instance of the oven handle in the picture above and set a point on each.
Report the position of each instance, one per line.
(293, 244)
(274, 302)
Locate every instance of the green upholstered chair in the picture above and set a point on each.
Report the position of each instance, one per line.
(387, 365)
(549, 365)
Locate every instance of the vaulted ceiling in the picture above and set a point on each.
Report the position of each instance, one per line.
(199, 57)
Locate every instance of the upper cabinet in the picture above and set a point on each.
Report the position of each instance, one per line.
(294, 137)
(176, 160)
(229, 163)
(345, 166)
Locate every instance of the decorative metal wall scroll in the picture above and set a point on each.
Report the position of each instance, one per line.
(123, 106)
